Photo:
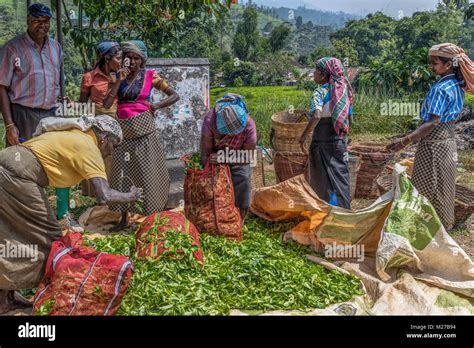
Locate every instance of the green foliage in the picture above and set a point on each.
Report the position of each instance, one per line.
(260, 273)
(246, 71)
(46, 308)
(156, 22)
(238, 82)
(240, 46)
(469, 14)
(469, 100)
(194, 162)
(9, 25)
(278, 37)
(299, 22)
(367, 34)
(398, 77)
(246, 35)
(308, 85)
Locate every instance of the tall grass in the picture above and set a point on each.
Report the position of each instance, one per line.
(369, 124)
(263, 102)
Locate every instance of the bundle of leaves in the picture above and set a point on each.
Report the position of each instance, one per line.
(260, 273)
(194, 162)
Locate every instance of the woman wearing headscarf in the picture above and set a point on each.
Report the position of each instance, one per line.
(229, 125)
(140, 159)
(66, 152)
(94, 88)
(95, 83)
(434, 169)
(331, 112)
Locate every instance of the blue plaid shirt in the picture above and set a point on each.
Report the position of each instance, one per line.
(445, 99)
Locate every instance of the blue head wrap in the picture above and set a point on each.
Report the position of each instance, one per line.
(39, 10)
(103, 47)
(231, 114)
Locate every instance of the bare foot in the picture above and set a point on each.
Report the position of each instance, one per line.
(123, 223)
(8, 302)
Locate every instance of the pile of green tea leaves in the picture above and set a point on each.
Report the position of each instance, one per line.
(260, 273)
(194, 162)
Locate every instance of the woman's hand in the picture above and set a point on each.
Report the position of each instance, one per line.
(156, 106)
(397, 145)
(13, 136)
(122, 74)
(136, 193)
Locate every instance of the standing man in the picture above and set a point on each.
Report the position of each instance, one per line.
(30, 86)
(29, 77)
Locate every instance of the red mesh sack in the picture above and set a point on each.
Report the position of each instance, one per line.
(149, 245)
(81, 281)
(209, 201)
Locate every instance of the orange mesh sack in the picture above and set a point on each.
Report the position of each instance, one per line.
(209, 201)
(81, 281)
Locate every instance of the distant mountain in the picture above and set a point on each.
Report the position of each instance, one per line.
(318, 17)
(393, 8)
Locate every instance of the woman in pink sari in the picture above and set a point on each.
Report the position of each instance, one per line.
(139, 160)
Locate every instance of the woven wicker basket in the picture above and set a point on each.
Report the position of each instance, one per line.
(289, 164)
(287, 129)
(258, 173)
(354, 166)
(384, 183)
(374, 159)
(463, 204)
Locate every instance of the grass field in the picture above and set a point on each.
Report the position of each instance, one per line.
(368, 124)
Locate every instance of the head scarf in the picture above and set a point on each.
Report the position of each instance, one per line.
(459, 57)
(39, 10)
(231, 114)
(341, 93)
(137, 47)
(105, 46)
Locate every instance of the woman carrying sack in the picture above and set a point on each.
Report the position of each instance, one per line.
(229, 125)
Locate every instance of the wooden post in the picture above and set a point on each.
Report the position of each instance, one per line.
(59, 33)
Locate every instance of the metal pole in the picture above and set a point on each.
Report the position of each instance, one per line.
(28, 3)
(59, 33)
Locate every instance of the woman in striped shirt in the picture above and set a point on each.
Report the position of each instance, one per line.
(434, 170)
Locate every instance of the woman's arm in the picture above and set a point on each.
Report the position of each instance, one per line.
(172, 98)
(313, 122)
(420, 133)
(84, 96)
(114, 87)
(106, 195)
(11, 132)
(207, 144)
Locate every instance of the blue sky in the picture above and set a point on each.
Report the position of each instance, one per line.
(361, 7)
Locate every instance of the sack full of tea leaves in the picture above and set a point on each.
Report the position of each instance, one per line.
(414, 238)
(167, 234)
(209, 200)
(81, 281)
